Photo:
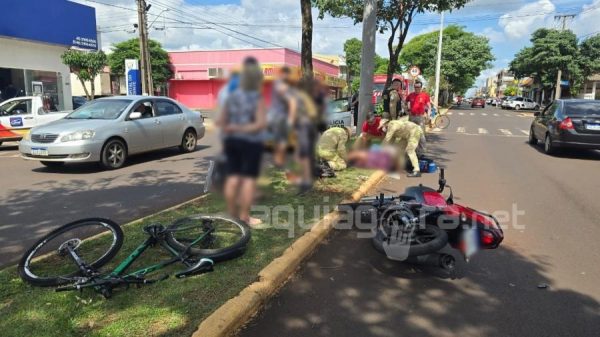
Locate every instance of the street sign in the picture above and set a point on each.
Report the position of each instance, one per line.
(132, 76)
(414, 71)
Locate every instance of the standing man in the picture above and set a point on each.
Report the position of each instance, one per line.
(419, 103)
(282, 114)
(392, 101)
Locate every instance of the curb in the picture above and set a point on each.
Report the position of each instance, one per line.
(234, 313)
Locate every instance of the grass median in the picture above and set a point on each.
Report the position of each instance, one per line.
(174, 307)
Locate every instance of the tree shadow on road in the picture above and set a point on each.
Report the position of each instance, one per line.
(580, 154)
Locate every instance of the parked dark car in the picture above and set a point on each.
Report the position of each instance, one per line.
(478, 102)
(567, 123)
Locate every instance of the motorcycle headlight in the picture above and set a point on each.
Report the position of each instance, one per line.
(79, 135)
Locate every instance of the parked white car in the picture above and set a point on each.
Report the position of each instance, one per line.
(518, 103)
(18, 115)
(109, 130)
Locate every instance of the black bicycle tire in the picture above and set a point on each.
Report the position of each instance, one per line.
(442, 125)
(415, 250)
(216, 255)
(22, 267)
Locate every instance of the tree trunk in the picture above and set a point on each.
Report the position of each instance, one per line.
(306, 51)
(87, 94)
(93, 87)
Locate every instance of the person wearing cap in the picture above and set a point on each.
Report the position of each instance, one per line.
(407, 136)
(392, 101)
(370, 131)
(331, 147)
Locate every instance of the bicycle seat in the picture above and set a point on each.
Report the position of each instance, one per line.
(203, 266)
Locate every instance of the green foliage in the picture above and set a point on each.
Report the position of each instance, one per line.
(130, 49)
(393, 16)
(511, 91)
(85, 65)
(355, 84)
(353, 52)
(464, 56)
(381, 64)
(589, 55)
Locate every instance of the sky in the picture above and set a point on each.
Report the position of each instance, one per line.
(222, 24)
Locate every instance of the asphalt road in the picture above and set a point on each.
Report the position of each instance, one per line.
(34, 199)
(348, 289)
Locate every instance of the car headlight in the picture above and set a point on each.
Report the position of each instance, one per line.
(79, 135)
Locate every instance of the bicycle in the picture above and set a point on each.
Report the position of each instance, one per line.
(197, 242)
(438, 120)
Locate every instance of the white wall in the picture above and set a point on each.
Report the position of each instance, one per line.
(101, 85)
(37, 56)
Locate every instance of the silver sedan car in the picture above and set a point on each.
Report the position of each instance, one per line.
(108, 130)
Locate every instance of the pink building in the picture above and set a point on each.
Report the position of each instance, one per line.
(199, 75)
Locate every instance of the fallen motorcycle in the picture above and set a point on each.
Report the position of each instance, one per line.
(417, 224)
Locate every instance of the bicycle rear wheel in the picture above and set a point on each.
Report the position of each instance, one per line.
(219, 238)
(442, 121)
(48, 262)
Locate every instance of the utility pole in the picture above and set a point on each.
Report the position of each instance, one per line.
(563, 18)
(438, 65)
(145, 65)
(367, 67)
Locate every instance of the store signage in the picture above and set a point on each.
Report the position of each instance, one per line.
(51, 21)
(132, 75)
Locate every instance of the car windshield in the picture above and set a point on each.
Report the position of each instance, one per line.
(101, 109)
(378, 86)
(582, 108)
(339, 105)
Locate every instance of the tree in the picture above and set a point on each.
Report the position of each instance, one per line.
(551, 50)
(589, 52)
(86, 66)
(307, 29)
(352, 51)
(464, 56)
(130, 49)
(393, 16)
(511, 91)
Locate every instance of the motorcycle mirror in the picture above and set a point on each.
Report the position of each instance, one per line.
(441, 181)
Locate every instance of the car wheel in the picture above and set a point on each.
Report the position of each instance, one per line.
(532, 139)
(517, 107)
(537, 107)
(548, 146)
(114, 154)
(53, 164)
(189, 141)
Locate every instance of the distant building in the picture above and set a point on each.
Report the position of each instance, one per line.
(491, 86)
(504, 79)
(105, 84)
(591, 88)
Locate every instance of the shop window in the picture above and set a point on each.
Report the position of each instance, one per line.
(47, 84)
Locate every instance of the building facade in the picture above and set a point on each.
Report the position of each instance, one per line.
(504, 79)
(199, 75)
(32, 39)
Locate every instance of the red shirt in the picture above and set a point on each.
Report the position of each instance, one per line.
(373, 128)
(418, 102)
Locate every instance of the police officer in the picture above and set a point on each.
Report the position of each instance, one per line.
(392, 101)
(332, 147)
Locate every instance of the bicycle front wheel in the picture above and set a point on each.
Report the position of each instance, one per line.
(50, 263)
(219, 238)
(442, 121)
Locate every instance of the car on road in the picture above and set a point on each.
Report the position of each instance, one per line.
(18, 115)
(478, 102)
(109, 130)
(339, 112)
(519, 103)
(567, 123)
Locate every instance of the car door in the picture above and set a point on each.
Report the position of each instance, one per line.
(17, 115)
(172, 122)
(143, 134)
(545, 119)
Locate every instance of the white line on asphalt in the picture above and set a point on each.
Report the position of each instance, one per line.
(482, 131)
(472, 114)
(496, 115)
(460, 129)
(449, 113)
(524, 131)
(506, 132)
(461, 113)
(483, 113)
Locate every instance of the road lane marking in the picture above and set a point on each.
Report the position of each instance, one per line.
(449, 113)
(524, 131)
(496, 115)
(482, 131)
(460, 129)
(472, 114)
(483, 113)
(506, 132)
(461, 113)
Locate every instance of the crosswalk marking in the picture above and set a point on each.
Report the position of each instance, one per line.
(449, 113)
(496, 115)
(524, 132)
(461, 113)
(460, 129)
(482, 131)
(484, 114)
(506, 132)
(472, 114)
